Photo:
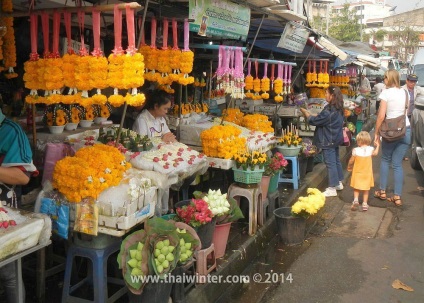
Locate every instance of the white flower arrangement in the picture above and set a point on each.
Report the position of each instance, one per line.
(217, 202)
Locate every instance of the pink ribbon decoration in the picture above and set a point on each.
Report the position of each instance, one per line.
(221, 58)
(82, 51)
(186, 35)
(165, 34)
(97, 51)
(266, 70)
(131, 50)
(238, 69)
(280, 71)
(46, 33)
(56, 29)
(153, 33)
(289, 73)
(117, 26)
(249, 67)
(174, 34)
(34, 35)
(67, 21)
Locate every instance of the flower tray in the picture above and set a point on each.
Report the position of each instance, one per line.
(247, 176)
(289, 151)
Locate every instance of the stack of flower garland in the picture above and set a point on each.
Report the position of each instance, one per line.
(222, 141)
(233, 115)
(257, 122)
(89, 172)
(7, 43)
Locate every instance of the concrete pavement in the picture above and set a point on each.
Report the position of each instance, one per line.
(356, 256)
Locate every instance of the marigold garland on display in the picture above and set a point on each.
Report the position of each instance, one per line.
(233, 115)
(257, 122)
(89, 172)
(222, 141)
(98, 67)
(8, 47)
(115, 71)
(133, 66)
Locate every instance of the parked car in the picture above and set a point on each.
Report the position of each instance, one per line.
(374, 73)
(417, 130)
(417, 66)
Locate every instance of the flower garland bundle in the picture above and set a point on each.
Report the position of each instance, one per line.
(186, 59)
(233, 115)
(175, 54)
(238, 76)
(89, 172)
(278, 85)
(164, 58)
(265, 83)
(151, 60)
(9, 48)
(167, 88)
(222, 141)
(245, 160)
(53, 64)
(309, 205)
(116, 62)
(248, 81)
(256, 84)
(31, 66)
(257, 122)
(69, 62)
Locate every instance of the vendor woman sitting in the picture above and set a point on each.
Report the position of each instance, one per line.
(151, 121)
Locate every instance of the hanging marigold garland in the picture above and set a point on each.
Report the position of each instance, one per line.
(175, 54)
(278, 85)
(31, 66)
(186, 59)
(8, 47)
(265, 83)
(68, 67)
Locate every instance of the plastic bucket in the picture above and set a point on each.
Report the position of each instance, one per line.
(359, 124)
(220, 238)
(291, 229)
(153, 292)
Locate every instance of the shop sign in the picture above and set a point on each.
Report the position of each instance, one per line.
(294, 37)
(219, 18)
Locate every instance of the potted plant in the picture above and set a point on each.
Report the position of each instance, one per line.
(226, 211)
(291, 221)
(273, 167)
(249, 166)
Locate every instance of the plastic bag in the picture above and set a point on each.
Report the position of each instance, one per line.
(87, 217)
(59, 214)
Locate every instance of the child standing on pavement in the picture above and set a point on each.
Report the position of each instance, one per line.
(361, 166)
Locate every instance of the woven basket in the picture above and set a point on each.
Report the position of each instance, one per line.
(247, 176)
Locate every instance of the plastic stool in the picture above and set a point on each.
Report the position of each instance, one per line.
(294, 175)
(263, 211)
(202, 266)
(99, 259)
(254, 196)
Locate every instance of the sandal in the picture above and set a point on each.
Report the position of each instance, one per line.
(355, 205)
(396, 200)
(364, 206)
(381, 194)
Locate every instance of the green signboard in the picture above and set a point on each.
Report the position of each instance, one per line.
(219, 18)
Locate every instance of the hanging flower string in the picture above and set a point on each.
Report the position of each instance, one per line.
(256, 83)
(31, 66)
(238, 91)
(9, 47)
(175, 55)
(133, 65)
(164, 57)
(248, 81)
(116, 61)
(98, 64)
(187, 58)
(265, 83)
(151, 61)
(278, 84)
(54, 64)
(69, 62)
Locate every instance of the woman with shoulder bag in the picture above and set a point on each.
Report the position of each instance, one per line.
(393, 104)
(328, 136)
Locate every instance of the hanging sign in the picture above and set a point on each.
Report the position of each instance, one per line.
(294, 37)
(219, 18)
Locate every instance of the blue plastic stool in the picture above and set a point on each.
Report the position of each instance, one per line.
(99, 280)
(294, 179)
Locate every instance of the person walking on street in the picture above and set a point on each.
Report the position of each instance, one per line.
(378, 88)
(360, 163)
(328, 136)
(392, 106)
(413, 90)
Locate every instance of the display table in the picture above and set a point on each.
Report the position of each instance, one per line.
(18, 267)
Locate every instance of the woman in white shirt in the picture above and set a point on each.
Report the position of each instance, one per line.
(392, 105)
(151, 121)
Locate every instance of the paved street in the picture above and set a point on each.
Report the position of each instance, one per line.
(356, 256)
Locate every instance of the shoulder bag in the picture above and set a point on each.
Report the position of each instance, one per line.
(395, 128)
